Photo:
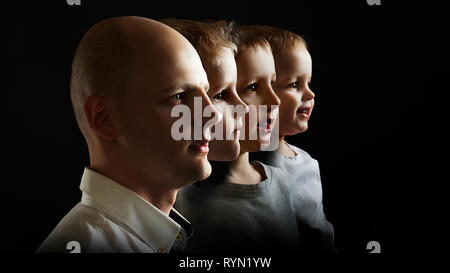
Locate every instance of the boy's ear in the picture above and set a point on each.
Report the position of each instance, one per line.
(99, 117)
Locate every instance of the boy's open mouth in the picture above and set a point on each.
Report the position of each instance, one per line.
(265, 126)
(304, 111)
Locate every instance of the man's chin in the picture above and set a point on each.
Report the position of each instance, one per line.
(202, 169)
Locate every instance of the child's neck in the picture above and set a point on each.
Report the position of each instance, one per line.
(284, 149)
(242, 172)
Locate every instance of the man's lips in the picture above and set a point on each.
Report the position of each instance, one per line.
(304, 112)
(200, 146)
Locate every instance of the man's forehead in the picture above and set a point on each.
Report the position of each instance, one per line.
(169, 69)
(182, 77)
(167, 63)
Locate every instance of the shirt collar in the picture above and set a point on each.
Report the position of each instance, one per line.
(150, 224)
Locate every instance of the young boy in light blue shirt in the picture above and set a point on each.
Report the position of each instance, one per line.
(293, 66)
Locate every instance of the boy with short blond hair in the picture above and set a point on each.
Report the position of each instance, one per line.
(293, 65)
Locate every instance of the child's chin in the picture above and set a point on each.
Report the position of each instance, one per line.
(263, 144)
(251, 146)
(204, 170)
(302, 126)
(228, 152)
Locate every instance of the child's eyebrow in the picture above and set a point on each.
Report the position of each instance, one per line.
(215, 89)
(262, 77)
(282, 78)
(296, 76)
(223, 85)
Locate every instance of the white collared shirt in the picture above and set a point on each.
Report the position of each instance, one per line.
(112, 218)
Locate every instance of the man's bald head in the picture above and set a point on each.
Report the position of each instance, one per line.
(128, 74)
(106, 54)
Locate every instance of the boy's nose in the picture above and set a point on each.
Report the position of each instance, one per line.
(212, 117)
(271, 97)
(308, 95)
(240, 104)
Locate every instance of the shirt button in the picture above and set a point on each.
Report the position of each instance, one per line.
(162, 250)
(179, 237)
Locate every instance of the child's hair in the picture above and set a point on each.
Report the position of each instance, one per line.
(249, 37)
(277, 38)
(208, 38)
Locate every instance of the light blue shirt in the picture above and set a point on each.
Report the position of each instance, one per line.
(305, 189)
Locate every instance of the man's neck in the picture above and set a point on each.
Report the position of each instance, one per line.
(162, 198)
(161, 194)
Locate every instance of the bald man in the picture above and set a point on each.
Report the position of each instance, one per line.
(127, 74)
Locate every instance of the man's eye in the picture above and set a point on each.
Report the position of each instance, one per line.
(251, 87)
(178, 96)
(293, 85)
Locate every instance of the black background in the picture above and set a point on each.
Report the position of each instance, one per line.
(370, 129)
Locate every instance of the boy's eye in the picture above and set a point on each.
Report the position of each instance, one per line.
(219, 95)
(293, 85)
(251, 87)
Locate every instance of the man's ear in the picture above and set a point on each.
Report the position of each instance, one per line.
(99, 117)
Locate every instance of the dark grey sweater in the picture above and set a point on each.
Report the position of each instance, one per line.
(233, 218)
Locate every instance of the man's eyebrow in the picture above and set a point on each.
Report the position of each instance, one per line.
(173, 88)
(186, 86)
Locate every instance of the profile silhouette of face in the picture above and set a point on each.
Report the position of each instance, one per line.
(294, 71)
(256, 74)
(222, 79)
(166, 72)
